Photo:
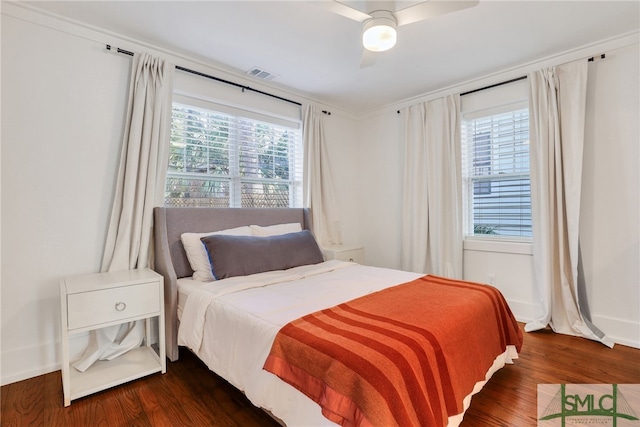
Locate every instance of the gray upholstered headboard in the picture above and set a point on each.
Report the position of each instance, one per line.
(170, 259)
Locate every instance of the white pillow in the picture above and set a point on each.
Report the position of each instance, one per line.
(197, 253)
(275, 230)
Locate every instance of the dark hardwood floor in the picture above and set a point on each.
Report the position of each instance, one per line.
(190, 395)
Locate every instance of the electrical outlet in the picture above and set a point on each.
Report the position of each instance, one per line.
(491, 279)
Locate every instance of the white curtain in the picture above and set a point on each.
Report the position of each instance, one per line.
(139, 188)
(318, 184)
(143, 164)
(557, 123)
(432, 191)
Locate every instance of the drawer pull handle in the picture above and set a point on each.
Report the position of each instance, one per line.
(120, 306)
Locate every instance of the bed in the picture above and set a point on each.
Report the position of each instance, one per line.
(278, 334)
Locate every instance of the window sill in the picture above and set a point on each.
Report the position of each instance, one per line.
(507, 246)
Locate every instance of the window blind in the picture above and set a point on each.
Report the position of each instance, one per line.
(496, 172)
(218, 159)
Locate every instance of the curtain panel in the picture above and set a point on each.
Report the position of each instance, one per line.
(557, 105)
(318, 182)
(139, 188)
(143, 164)
(432, 189)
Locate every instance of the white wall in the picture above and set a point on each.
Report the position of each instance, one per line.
(63, 104)
(507, 266)
(380, 179)
(610, 233)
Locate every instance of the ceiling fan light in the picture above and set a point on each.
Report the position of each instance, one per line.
(379, 32)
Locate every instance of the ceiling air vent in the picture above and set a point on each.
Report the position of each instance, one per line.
(261, 74)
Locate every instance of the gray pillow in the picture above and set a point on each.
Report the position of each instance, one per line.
(243, 255)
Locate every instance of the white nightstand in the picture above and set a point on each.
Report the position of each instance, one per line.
(93, 301)
(344, 253)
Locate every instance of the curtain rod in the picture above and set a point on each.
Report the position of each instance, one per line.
(494, 85)
(592, 59)
(198, 73)
(489, 87)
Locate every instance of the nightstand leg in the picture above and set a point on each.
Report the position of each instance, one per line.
(64, 334)
(66, 386)
(147, 333)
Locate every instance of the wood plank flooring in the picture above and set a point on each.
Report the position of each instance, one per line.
(190, 395)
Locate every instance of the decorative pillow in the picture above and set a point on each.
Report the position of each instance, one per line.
(242, 255)
(197, 253)
(274, 230)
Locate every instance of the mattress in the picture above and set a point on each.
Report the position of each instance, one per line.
(231, 324)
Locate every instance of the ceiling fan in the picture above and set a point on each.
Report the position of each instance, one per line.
(382, 19)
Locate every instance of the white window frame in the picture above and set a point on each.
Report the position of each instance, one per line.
(483, 104)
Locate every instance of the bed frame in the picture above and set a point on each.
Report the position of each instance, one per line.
(170, 259)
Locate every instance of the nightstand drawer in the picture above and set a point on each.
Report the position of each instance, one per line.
(109, 305)
(350, 256)
(344, 253)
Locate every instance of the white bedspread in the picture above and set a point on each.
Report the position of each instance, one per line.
(242, 315)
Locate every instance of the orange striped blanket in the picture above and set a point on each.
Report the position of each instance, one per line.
(403, 356)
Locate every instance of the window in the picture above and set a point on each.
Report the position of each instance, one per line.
(496, 182)
(231, 159)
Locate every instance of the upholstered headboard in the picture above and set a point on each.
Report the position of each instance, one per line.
(171, 259)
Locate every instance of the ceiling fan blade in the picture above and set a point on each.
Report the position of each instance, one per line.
(430, 9)
(344, 10)
(368, 58)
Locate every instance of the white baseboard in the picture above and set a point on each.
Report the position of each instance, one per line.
(28, 362)
(622, 332)
(524, 312)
